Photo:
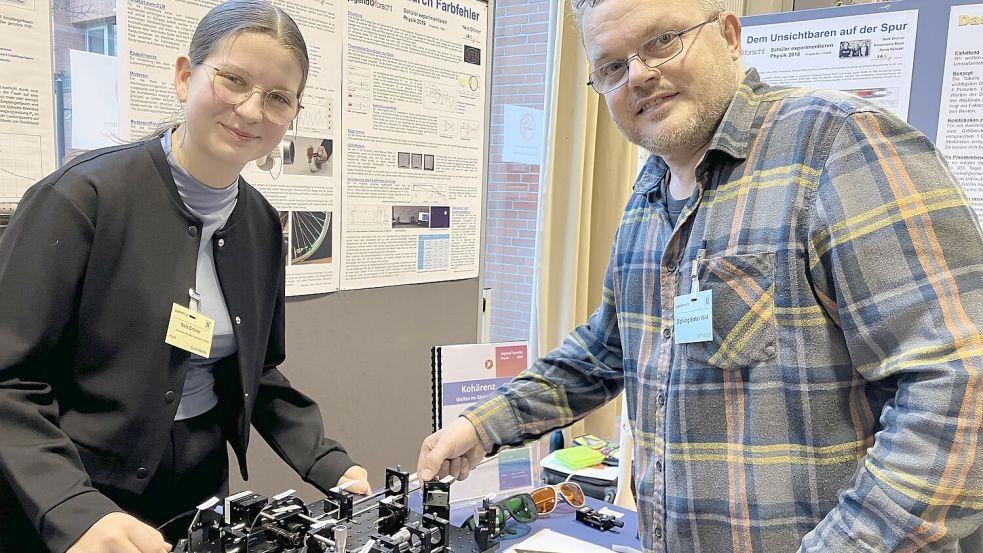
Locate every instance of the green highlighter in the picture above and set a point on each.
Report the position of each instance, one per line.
(579, 457)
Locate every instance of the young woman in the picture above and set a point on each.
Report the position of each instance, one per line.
(108, 430)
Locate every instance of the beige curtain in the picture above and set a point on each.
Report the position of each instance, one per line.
(588, 170)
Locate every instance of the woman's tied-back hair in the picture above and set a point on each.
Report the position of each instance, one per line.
(234, 17)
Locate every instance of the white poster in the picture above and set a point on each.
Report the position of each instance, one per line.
(870, 56)
(960, 133)
(151, 36)
(414, 112)
(27, 114)
(95, 107)
(301, 176)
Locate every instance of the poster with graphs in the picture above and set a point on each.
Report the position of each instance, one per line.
(414, 112)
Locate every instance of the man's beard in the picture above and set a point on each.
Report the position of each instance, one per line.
(713, 99)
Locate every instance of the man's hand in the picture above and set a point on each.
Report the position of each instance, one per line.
(355, 480)
(454, 450)
(120, 533)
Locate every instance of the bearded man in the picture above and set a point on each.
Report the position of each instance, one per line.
(793, 308)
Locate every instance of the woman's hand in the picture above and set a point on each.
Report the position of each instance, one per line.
(356, 480)
(120, 533)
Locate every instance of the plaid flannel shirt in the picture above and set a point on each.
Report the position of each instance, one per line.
(838, 406)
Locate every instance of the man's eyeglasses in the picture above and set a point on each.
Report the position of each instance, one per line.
(279, 106)
(581, 3)
(653, 53)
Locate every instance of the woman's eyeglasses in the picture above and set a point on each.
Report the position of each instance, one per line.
(279, 106)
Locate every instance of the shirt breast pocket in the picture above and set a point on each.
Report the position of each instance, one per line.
(744, 327)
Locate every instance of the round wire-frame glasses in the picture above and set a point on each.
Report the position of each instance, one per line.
(654, 52)
(279, 106)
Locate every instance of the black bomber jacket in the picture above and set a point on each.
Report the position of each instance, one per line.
(90, 265)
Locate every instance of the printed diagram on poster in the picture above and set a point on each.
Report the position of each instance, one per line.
(20, 164)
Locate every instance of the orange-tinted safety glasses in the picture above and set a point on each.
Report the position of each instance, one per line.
(547, 497)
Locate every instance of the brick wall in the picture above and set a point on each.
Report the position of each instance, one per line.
(519, 78)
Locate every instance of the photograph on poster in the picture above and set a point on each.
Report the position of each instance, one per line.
(472, 55)
(428, 162)
(411, 216)
(440, 216)
(284, 228)
(417, 161)
(855, 49)
(309, 156)
(274, 161)
(310, 237)
(403, 160)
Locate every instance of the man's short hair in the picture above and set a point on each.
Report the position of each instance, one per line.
(580, 7)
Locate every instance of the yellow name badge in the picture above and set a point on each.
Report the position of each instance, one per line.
(190, 331)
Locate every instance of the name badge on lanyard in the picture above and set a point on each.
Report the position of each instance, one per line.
(692, 314)
(188, 329)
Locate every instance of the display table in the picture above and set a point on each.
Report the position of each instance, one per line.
(561, 520)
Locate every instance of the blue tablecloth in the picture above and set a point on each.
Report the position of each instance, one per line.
(562, 520)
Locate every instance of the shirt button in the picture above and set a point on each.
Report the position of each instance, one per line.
(246, 395)
(169, 397)
(658, 466)
(221, 242)
(658, 532)
(666, 333)
(671, 267)
(662, 399)
(769, 351)
(142, 473)
(193, 231)
(238, 320)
